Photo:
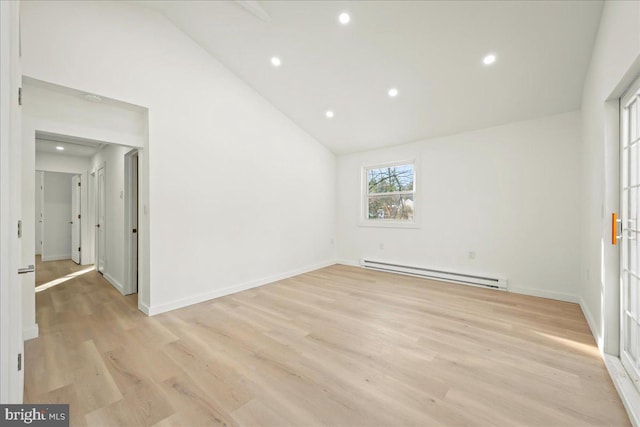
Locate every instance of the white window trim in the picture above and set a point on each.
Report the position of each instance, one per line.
(364, 197)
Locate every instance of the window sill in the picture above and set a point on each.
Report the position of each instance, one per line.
(389, 224)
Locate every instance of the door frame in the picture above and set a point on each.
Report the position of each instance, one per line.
(633, 89)
(131, 220)
(37, 124)
(11, 329)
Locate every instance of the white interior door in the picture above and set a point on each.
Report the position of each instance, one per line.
(630, 253)
(101, 223)
(75, 219)
(11, 343)
(133, 206)
(134, 240)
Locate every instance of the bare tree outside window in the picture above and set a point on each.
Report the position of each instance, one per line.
(390, 192)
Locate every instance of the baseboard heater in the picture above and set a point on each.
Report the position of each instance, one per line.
(483, 280)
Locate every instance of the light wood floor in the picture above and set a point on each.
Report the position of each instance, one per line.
(339, 346)
(52, 270)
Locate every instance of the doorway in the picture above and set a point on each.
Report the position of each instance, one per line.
(92, 135)
(131, 219)
(57, 216)
(629, 237)
(102, 218)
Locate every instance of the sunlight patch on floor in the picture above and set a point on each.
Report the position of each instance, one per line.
(588, 349)
(61, 280)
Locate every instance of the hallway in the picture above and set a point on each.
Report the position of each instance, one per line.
(53, 270)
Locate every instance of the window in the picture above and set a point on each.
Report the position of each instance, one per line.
(389, 194)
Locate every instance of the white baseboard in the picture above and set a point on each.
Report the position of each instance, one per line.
(184, 302)
(543, 293)
(143, 308)
(624, 386)
(592, 325)
(31, 332)
(518, 290)
(113, 281)
(628, 392)
(348, 262)
(55, 257)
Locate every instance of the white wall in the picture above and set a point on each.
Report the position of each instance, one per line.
(112, 158)
(38, 211)
(61, 163)
(238, 194)
(614, 64)
(57, 214)
(61, 110)
(509, 194)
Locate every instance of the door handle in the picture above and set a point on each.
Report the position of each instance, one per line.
(615, 222)
(70, 222)
(97, 225)
(29, 269)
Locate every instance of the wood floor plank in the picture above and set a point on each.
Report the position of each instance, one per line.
(339, 346)
(143, 404)
(64, 395)
(93, 381)
(194, 403)
(222, 383)
(257, 413)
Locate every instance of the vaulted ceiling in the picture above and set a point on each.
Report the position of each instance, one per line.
(430, 51)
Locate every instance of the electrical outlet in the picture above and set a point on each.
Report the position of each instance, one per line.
(381, 245)
(472, 255)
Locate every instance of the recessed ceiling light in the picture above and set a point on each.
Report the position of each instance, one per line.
(344, 18)
(92, 98)
(329, 114)
(275, 61)
(393, 92)
(60, 148)
(489, 59)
